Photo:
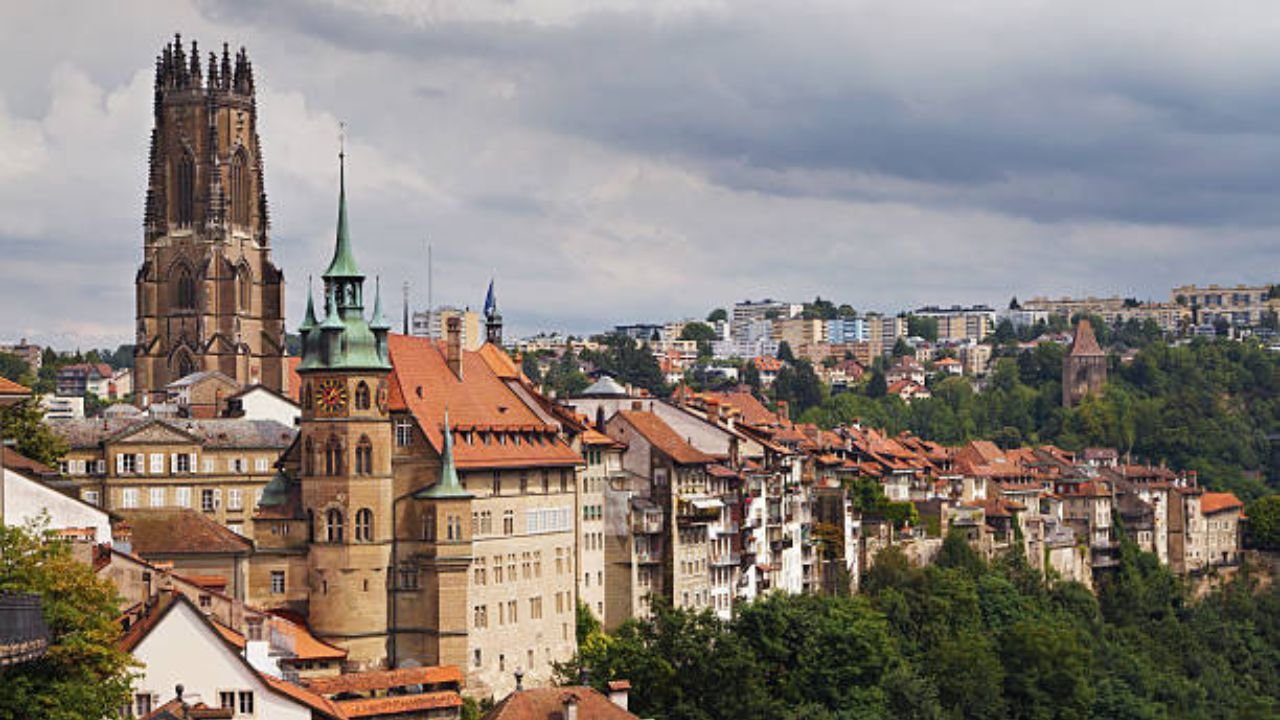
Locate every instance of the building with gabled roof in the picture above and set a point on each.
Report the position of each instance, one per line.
(1084, 369)
(175, 644)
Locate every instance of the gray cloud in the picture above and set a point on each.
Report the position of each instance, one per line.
(624, 160)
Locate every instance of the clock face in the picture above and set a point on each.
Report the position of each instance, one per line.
(331, 397)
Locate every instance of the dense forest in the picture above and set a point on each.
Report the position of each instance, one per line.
(1209, 406)
(959, 639)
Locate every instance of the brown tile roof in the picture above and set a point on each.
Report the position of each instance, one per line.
(423, 384)
(548, 704)
(180, 531)
(226, 433)
(661, 436)
(13, 460)
(595, 438)
(1085, 343)
(305, 646)
(397, 704)
(172, 710)
(1214, 502)
(386, 679)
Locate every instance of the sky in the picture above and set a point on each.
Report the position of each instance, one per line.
(615, 161)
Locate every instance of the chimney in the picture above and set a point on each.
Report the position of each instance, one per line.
(453, 345)
(784, 411)
(570, 701)
(519, 679)
(618, 690)
(713, 411)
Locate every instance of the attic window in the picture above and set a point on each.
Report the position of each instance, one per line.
(418, 390)
(515, 438)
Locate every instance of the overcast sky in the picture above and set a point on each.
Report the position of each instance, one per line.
(624, 160)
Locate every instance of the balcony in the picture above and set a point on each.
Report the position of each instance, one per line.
(646, 523)
(648, 556)
(23, 633)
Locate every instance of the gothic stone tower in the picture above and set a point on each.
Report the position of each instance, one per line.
(208, 295)
(1084, 369)
(345, 443)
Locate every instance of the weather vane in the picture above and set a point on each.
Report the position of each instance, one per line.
(342, 138)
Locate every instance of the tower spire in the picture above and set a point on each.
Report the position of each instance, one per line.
(343, 263)
(448, 486)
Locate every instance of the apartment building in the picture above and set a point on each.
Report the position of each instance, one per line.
(961, 323)
(747, 312)
(1168, 316)
(1241, 305)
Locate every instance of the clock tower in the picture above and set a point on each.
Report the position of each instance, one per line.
(345, 445)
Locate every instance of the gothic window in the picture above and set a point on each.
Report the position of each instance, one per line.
(308, 458)
(333, 525)
(364, 525)
(364, 456)
(186, 190)
(333, 457)
(185, 366)
(240, 188)
(244, 279)
(185, 290)
(362, 396)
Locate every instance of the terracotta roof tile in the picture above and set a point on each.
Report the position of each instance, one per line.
(423, 384)
(1085, 343)
(396, 704)
(1214, 502)
(548, 704)
(180, 531)
(386, 679)
(9, 387)
(316, 702)
(661, 436)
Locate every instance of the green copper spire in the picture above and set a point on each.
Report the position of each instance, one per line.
(448, 486)
(378, 321)
(309, 320)
(343, 263)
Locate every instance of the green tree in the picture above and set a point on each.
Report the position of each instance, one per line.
(82, 675)
(587, 624)
(901, 348)
(751, 376)
(704, 335)
(13, 367)
(877, 386)
(1264, 522)
(922, 327)
(24, 424)
(784, 352)
(529, 366)
(718, 315)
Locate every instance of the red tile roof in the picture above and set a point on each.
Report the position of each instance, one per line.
(1085, 343)
(9, 387)
(1215, 502)
(548, 704)
(661, 436)
(423, 384)
(398, 704)
(13, 460)
(386, 679)
(320, 704)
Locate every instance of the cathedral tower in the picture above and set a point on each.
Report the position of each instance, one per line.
(345, 442)
(208, 295)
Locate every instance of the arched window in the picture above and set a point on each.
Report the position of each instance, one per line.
(333, 525)
(240, 188)
(311, 526)
(186, 182)
(308, 457)
(185, 365)
(364, 525)
(184, 290)
(364, 456)
(362, 396)
(244, 281)
(333, 457)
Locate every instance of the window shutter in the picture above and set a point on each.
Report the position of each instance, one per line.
(173, 463)
(119, 464)
(140, 464)
(217, 497)
(191, 463)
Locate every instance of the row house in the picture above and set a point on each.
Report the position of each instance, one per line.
(217, 467)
